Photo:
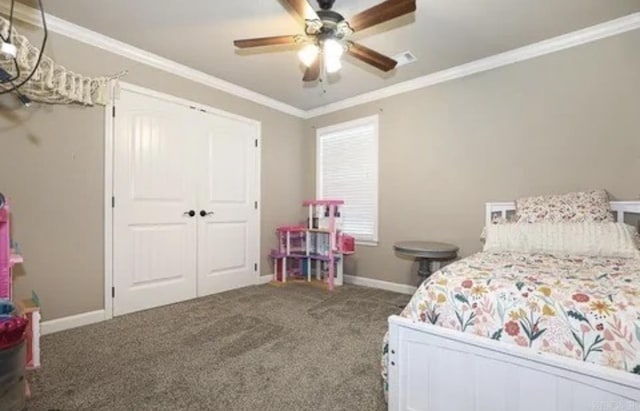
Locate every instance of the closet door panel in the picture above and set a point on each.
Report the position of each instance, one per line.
(230, 238)
(227, 167)
(228, 243)
(154, 241)
(169, 160)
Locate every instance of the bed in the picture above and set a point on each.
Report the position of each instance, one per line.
(520, 331)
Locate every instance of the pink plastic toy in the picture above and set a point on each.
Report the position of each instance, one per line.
(7, 258)
(319, 246)
(29, 308)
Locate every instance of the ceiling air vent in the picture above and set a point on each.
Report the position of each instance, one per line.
(405, 58)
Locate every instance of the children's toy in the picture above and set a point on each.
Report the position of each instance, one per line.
(28, 309)
(316, 248)
(12, 326)
(7, 258)
(13, 388)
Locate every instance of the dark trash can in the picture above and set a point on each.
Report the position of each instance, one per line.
(12, 382)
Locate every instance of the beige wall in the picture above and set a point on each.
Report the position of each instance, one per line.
(565, 121)
(561, 122)
(51, 167)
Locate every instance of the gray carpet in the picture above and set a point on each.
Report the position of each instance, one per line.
(258, 348)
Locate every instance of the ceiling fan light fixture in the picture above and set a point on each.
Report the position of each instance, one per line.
(332, 49)
(333, 65)
(308, 54)
(326, 32)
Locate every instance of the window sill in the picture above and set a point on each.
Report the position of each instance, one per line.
(367, 243)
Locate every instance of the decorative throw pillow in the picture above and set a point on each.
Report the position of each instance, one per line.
(584, 206)
(497, 219)
(583, 239)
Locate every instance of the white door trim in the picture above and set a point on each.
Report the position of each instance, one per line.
(108, 209)
(108, 174)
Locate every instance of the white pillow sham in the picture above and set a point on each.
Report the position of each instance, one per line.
(584, 239)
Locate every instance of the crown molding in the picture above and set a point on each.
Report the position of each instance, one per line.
(573, 39)
(565, 41)
(84, 35)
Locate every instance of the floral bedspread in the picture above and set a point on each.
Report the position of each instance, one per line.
(587, 308)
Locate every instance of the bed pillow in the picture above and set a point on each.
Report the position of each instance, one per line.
(583, 239)
(584, 206)
(498, 219)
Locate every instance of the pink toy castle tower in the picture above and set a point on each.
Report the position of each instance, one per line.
(7, 258)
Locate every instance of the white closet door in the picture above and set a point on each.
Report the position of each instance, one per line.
(228, 231)
(154, 252)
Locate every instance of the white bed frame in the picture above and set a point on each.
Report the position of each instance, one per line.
(437, 369)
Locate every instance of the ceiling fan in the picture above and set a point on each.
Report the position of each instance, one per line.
(325, 33)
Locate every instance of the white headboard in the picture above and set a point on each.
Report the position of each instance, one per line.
(623, 211)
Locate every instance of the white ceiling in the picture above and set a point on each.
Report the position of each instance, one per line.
(441, 34)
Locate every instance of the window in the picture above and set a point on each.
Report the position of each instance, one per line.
(347, 169)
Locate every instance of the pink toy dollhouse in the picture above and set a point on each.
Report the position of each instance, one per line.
(316, 248)
(29, 308)
(292, 241)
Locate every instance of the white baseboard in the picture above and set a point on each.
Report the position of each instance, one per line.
(361, 281)
(264, 279)
(383, 285)
(92, 317)
(73, 321)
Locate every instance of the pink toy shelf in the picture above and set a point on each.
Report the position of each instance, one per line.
(29, 308)
(7, 258)
(316, 249)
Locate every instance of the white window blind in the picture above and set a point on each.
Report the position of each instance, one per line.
(347, 169)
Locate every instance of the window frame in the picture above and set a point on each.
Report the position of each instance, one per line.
(369, 120)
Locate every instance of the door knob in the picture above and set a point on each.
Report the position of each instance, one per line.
(190, 213)
(204, 213)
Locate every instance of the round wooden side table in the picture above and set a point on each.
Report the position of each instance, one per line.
(426, 252)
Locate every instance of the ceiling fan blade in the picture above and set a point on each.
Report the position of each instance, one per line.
(313, 73)
(371, 57)
(385, 11)
(265, 41)
(304, 9)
